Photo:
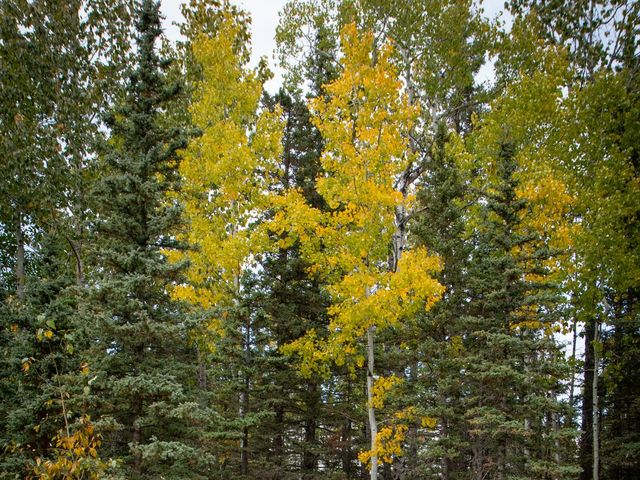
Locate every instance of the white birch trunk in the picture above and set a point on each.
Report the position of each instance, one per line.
(373, 425)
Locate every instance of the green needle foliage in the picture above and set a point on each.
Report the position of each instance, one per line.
(145, 393)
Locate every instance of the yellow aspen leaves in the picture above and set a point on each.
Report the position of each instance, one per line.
(388, 445)
(364, 119)
(227, 172)
(381, 388)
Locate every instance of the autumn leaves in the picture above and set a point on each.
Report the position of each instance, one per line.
(237, 213)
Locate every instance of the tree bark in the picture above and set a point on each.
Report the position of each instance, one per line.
(478, 460)
(76, 249)
(586, 441)
(573, 363)
(309, 457)
(20, 268)
(278, 443)
(244, 400)
(595, 408)
(373, 425)
(346, 438)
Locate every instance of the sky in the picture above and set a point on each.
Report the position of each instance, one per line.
(264, 15)
(264, 19)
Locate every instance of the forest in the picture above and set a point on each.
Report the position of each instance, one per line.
(391, 268)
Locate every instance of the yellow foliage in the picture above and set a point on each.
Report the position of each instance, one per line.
(76, 455)
(227, 174)
(365, 120)
(388, 444)
(428, 422)
(381, 388)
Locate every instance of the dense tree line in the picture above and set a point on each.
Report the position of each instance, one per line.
(386, 270)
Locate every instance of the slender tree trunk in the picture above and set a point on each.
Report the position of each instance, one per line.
(478, 460)
(202, 377)
(138, 408)
(586, 441)
(278, 442)
(346, 438)
(373, 425)
(556, 428)
(446, 461)
(596, 409)
(20, 268)
(76, 249)
(244, 441)
(244, 400)
(527, 427)
(573, 364)
(309, 457)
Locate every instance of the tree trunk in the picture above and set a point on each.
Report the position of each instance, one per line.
(202, 378)
(586, 441)
(346, 438)
(527, 428)
(278, 442)
(20, 269)
(76, 249)
(309, 457)
(478, 460)
(446, 461)
(573, 363)
(373, 425)
(556, 428)
(244, 441)
(244, 400)
(595, 408)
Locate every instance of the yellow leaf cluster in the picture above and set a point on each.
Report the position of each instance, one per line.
(365, 120)
(388, 444)
(227, 172)
(531, 115)
(381, 388)
(76, 455)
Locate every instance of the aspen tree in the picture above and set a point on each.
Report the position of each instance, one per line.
(228, 174)
(374, 279)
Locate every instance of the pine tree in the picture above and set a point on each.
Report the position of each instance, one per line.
(144, 393)
(292, 303)
(441, 227)
(513, 371)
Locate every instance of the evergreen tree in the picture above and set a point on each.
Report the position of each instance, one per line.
(144, 393)
(60, 66)
(441, 227)
(293, 303)
(513, 371)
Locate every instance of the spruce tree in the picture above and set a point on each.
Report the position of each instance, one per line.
(292, 303)
(513, 370)
(144, 392)
(437, 385)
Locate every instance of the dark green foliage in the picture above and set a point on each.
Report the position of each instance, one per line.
(145, 393)
(41, 381)
(440, 226)
(494, 386)
(514, 372)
